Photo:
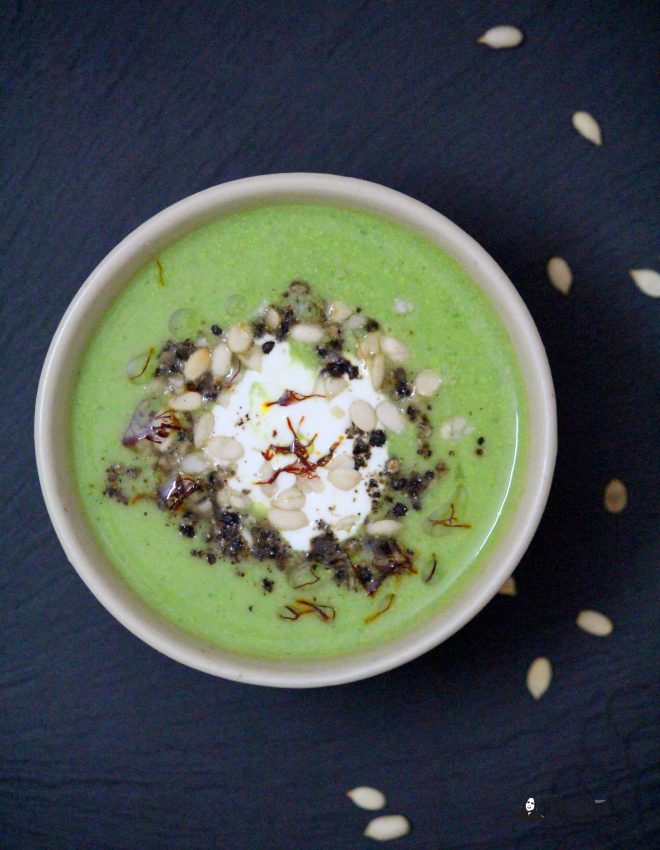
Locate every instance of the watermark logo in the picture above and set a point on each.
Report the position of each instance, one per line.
(532, 812)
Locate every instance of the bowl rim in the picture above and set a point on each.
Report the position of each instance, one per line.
(302, 187)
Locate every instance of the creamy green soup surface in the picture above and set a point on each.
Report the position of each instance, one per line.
(470, 455)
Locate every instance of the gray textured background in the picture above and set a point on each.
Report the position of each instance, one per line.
(113, 110)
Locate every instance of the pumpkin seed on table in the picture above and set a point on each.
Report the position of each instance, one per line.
(560, 274)
(509, 588)
(539, 677)
(587, 126)
(502, 37)
(647, 281)
(387, 827)
(594, 623)
(367, 798)
(615, 497)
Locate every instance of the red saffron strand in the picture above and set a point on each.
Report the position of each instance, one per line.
(377, 614)
(450, 521)
(289, 397)
(302, 466)
(307, 583)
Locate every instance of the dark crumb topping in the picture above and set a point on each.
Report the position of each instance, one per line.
(377, 438)
(339, 367)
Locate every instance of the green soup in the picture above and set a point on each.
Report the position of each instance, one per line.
(221, 273)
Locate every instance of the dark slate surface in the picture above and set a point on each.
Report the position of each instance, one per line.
(113, 110)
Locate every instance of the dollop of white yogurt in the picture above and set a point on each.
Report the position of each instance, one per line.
(245, 415)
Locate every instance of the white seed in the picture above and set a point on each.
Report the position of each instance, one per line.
(501, 37)
(220, 361)
(427, 383)
(456, 428)
(401, 306)
(203, 429)
(594, 623)
(253, 359)
(198, 363)
(290, 500)
(588, 127)
(539, 677)
(384, 527)
(273, 319)
(615, 498)
(310, 485)
(390, 417)
(239, 338)
(195, 463)
(368, 346)
(342, 461)
(356, 321)
(344, 479)
(647, 280)
(187, 401)
(393, 348)
(560, 274)
(367, 798)
(362, 414)
(334, 386)
(287, 520)
(265, 473)
(308, 334)
(346, 523)
(509, 587)
(377, 371)
(285, 481)
(338, 311)
(387, 828)
(225, 448)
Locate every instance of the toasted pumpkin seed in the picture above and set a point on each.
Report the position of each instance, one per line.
(539, 677)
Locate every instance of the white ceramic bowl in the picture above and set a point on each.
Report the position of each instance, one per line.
(55, 387)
